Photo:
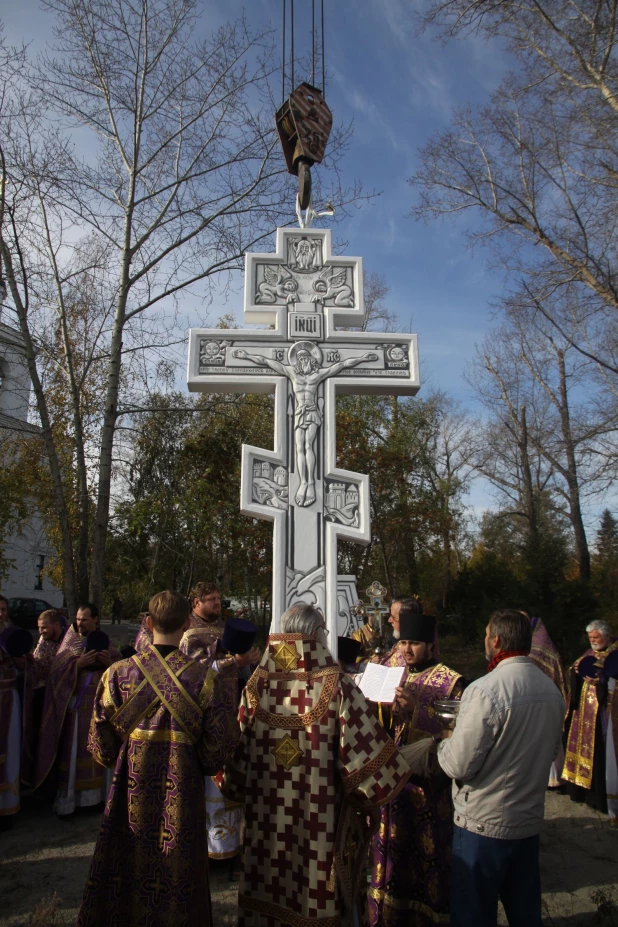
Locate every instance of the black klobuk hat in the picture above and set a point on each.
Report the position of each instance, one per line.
(348, 649)
(17, 642)
(414, 627)
(97, 640)
(127, 651)
(238, 635)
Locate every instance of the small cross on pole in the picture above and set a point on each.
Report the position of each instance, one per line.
(378, 610)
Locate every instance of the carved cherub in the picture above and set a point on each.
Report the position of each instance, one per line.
(277, 284)
(332, 283)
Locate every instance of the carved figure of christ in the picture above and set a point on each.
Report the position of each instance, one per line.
(307, 356)
(305, 373)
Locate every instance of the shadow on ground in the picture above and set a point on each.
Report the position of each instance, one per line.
(43, 856)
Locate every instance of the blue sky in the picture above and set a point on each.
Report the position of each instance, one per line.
(399, 88)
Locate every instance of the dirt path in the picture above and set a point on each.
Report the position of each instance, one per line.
(579, 858)
(42, 856)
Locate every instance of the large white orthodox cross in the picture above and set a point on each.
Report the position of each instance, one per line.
(304, 293)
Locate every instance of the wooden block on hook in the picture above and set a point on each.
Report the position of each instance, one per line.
(304, 124)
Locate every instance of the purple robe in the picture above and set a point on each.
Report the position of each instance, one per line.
(224, 818)
(585, 765)
(411, 871)
(60, 709)
(10, 714)
(36, 672)
(163, 722)
(199, 640)
(544, 654)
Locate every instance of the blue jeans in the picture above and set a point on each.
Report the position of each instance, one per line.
(486, 869)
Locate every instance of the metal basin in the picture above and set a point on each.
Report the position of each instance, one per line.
(447, 710)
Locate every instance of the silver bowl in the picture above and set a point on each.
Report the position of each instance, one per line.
(447, 710)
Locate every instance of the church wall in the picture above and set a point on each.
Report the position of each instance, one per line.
(25, 576)
(15, 390)
(29, 549)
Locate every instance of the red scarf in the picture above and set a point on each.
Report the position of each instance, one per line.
(504, 655)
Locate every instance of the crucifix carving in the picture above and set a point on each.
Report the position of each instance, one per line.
(306, 295)
(305, 373)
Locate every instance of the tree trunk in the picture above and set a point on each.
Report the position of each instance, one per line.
(110, 416)
(446, 553)
(387, 571)
(105, 459)
(575, 513)
(529, 500)
(78, 432)
(412, 565)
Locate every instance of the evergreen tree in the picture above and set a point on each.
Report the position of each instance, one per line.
(607, 538)
(605, 566)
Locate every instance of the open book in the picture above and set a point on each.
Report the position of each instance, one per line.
(378, 683)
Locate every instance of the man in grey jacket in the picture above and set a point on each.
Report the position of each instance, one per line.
(508, 731)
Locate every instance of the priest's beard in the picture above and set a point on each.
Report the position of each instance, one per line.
(396, 634)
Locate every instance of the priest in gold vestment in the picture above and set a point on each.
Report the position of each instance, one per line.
(161, 721)
(312, 764)
(411, 871)
(224, 821)
(591, 764)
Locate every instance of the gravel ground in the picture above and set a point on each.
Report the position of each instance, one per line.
(42, 856)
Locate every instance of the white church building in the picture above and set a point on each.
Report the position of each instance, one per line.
(28, 548)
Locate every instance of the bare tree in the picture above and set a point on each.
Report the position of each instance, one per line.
(144, 161)
(565, 41)
(378, 317)
(540, 162)
(530, 380)
(451, 462)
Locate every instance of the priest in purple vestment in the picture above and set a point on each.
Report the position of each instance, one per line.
(52, 626)
(224, 818)
(69, 698)
(544, 654)
(411, 871)
(163, 721)
(205, 618)
(10, 729)
(591, 764)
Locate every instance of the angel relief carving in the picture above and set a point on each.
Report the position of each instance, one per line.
(278, 284)
(332, 283)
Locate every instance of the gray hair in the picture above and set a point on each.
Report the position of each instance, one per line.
(598, 625)
(513, 629)
(301, 619)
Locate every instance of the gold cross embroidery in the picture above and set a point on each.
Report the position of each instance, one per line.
(286, 657)
(287, 753)
(128, 686)
(164, 834)
(156, 886)
(165, 782)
